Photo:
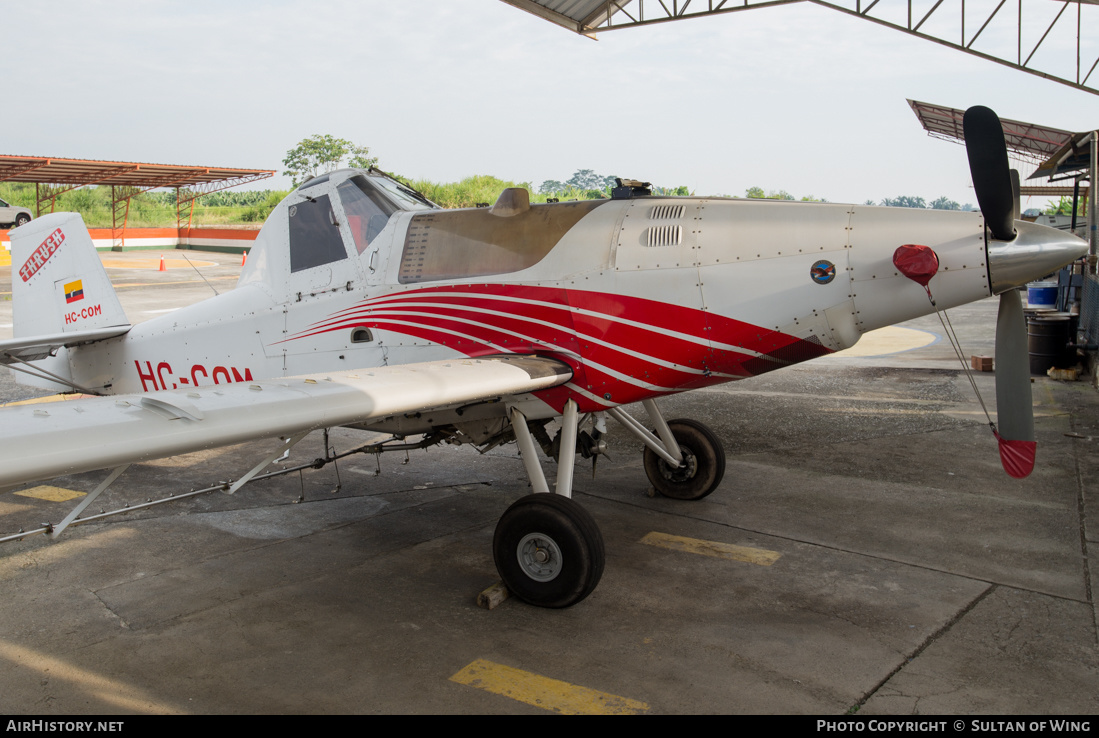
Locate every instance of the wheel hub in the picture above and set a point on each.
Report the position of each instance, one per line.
(539, 557)
(682, 473)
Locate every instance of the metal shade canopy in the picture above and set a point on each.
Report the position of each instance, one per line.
(53, 175)
(1063, 28)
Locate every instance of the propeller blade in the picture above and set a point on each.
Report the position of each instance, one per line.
(987, 151)
(1016, 196)
(1014, 406)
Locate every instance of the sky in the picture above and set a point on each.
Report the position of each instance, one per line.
(796, 98)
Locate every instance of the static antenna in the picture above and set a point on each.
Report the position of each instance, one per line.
(200, 274)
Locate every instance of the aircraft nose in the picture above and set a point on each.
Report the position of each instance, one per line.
(1034, 253)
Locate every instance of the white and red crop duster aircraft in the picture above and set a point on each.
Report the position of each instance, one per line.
(362, 304)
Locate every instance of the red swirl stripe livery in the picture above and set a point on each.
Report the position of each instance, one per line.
(622, 349)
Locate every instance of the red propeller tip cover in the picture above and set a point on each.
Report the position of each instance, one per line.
(1017, 457)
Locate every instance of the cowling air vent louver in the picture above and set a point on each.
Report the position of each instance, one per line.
(668, 235)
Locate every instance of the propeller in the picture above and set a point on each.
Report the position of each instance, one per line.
(1014, 405)
(987, 151)
(997, 193)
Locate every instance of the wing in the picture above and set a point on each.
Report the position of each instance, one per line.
(39, 442)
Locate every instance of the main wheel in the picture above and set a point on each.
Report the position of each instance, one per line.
(703, 468)
(22, 219)
(548, 550)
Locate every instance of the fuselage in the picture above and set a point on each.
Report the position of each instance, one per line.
(642, 297)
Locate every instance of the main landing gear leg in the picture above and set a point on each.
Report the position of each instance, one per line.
(548, 549)
(686, 461)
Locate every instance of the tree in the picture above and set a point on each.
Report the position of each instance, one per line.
(360, 158)
(586, 179)
(324, 153)
(681, 191)
(945, 203)
(757, 193)
(904, 201)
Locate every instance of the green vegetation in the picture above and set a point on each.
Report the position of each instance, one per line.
(1063, 206)
(469, 192)
(909, 201)
(154, 209)
(587, 185)
(317, 153)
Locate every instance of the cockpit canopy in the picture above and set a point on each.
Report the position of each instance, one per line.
(327, 219)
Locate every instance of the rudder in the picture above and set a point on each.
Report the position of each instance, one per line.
(59, 284)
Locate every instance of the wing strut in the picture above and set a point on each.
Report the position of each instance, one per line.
(115, 474)
(282, 450)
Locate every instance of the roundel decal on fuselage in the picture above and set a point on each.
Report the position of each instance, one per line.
(823, 272)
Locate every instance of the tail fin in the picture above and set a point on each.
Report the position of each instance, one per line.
(58, 283)
(61, 296)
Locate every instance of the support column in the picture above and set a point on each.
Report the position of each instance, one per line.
(1093, 193)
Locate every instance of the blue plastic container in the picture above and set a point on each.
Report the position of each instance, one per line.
(1041, 295)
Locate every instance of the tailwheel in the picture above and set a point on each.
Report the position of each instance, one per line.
(548, 550)
(703, 463)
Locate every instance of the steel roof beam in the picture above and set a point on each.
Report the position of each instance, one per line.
(635, 13)
(16, 169)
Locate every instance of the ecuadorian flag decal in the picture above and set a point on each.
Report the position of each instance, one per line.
(74, 291)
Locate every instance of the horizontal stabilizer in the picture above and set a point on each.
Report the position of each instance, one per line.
(39, 347)
(39, 442)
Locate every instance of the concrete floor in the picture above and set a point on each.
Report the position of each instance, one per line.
(913, 576)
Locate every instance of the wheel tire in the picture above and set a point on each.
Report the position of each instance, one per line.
(705, 466)
(22, 219)
(548, 550)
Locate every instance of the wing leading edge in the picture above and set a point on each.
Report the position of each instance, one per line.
(40, 442)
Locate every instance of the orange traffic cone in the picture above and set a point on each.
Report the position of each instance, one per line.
(243, 257)
(162, 269)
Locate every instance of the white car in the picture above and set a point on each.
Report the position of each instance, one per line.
(10, 215)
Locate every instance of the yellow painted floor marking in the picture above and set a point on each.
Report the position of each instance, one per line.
(716, 549)
(539, 691)
(50, 494)
(47, 398)
(890, 340)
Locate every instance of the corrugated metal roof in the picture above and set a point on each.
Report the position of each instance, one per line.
(576, 15)
(1039, 142)
(77, 172)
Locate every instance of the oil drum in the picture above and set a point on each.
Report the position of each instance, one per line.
(1049, 341)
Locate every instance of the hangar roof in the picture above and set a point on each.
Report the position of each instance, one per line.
(1059, 154)
(1028, 141)
(1068, 43)
(78, 172)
